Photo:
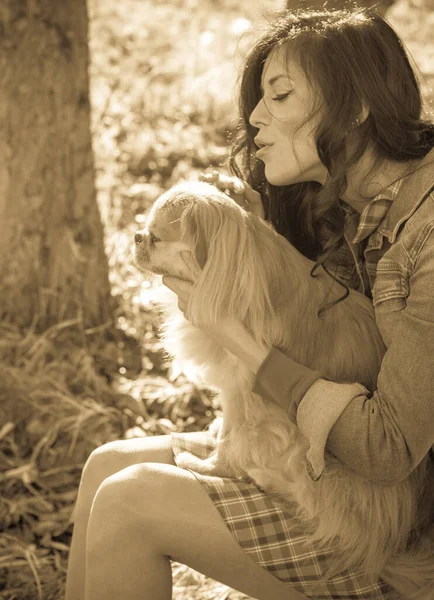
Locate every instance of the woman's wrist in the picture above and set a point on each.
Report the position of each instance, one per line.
(233, 336)
(254, 356)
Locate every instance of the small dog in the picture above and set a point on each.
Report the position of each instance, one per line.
(249, 275)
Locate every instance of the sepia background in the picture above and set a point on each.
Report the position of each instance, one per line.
(80, 359)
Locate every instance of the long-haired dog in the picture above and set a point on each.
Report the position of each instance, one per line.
(253, 277)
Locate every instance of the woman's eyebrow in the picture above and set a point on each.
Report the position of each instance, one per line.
(275, 78)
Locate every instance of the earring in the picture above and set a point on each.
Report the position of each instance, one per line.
(355, 123)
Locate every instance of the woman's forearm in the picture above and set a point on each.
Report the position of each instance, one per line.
(233, 336)
(366, 432)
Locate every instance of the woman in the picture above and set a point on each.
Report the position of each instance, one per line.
(333, 140)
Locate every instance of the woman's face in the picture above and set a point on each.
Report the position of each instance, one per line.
(289, 156)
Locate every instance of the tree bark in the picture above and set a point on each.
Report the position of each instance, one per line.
(52, 261)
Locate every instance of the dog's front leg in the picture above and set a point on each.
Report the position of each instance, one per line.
(212, 465)
(215, 463)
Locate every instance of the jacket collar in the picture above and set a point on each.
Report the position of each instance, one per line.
(414, 189)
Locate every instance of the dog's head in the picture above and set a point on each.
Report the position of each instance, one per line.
(234, 254)
(183, 219)
(159, 245)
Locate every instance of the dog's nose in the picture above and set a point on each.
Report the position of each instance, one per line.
(138, 238)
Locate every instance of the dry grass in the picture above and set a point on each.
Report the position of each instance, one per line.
(162, 78)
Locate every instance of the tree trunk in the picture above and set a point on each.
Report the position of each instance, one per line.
(52, 261)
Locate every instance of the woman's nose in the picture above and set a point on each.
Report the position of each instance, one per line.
(258, 116)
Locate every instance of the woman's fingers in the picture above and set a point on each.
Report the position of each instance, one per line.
(181, 288)
(221, 181)
(208, 177)
(191, 265)
(255, 201)
(239, 190)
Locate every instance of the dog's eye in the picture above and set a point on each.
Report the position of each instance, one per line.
(153, 238)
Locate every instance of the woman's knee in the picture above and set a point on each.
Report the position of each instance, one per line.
(112, 457)
(136, 494)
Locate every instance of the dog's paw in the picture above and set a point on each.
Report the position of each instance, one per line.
(209, 466)
(186, 460)
(261, 479)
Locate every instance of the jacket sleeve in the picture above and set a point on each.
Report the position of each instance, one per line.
(384, 436)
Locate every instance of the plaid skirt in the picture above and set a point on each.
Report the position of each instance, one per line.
(270, 535)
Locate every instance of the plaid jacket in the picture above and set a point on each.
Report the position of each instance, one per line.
(374, 213)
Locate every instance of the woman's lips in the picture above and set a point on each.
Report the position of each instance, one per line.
(263, 150)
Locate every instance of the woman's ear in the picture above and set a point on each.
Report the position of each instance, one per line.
(363, 114)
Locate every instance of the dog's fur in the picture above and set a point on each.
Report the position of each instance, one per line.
(250, 276)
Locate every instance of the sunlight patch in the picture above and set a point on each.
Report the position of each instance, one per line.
(207, 38)
(239, 26)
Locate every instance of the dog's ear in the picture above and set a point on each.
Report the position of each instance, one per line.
(233, 281)
(194, 234)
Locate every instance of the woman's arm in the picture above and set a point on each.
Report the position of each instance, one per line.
(382, 437)
(385, 436)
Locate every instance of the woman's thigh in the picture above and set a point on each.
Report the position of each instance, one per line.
(156, 448)
(112, 457)
(172, 510)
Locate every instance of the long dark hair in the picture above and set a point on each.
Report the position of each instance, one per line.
(351, 57)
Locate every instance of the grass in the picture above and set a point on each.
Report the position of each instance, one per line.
(162, 81)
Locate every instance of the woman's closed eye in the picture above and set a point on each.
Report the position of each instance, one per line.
(281, 97)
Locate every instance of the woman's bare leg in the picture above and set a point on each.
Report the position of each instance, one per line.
(149, 512)
(103, 462)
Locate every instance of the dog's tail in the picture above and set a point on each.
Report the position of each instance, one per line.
(411, 575)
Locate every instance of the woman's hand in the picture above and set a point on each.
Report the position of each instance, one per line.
(230, 334)
(182, 288)
(238, 190)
